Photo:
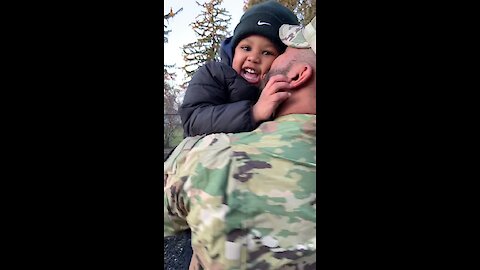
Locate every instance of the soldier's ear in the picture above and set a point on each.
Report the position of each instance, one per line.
(300, 74)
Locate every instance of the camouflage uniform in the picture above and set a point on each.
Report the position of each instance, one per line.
(300, 37)
(249, 198)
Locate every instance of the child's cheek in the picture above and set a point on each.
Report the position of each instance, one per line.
(236, 67)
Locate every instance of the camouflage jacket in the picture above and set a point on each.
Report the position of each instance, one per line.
(249, 198)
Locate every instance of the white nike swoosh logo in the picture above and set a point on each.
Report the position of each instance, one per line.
(263, 23)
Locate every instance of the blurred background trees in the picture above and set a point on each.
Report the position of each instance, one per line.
(211, 29)
(172, 128)
(304, 9)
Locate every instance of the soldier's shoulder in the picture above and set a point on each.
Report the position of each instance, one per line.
(203, 144)
(213, 142)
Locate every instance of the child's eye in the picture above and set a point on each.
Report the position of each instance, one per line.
(268, 53)
(245, 48)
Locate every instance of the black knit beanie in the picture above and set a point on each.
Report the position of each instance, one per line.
(264, 19)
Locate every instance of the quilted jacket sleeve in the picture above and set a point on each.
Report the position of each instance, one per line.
(218, 100)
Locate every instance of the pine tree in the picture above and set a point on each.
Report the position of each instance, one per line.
(304, 9)
(211, 28)
(171, 121)
(170, 94)
(167, 16)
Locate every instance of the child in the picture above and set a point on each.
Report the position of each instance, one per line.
(221, 95)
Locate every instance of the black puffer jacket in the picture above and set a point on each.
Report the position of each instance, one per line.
(218, 100)
(226, 51)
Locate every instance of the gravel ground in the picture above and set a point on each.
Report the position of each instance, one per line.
(177, 251)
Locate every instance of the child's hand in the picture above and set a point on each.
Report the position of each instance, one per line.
(272, 96)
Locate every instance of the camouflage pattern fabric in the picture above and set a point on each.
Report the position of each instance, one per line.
(249, 198)
(300, 37)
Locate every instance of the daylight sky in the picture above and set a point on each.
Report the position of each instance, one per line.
(182, 33)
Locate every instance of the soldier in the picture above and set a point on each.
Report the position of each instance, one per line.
(250, 198)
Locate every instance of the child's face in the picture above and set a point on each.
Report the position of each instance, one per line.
(253, 57)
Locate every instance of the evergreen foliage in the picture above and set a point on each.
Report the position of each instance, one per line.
(170, 95)
(211, 29)
(304, 9)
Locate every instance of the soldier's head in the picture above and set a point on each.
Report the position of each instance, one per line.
(300, 65)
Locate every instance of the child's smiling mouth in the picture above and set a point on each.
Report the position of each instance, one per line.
(250, 75)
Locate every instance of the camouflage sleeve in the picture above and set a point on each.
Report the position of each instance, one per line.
(249, 199)
(175, 201)
(174, 210)
(186, 169)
